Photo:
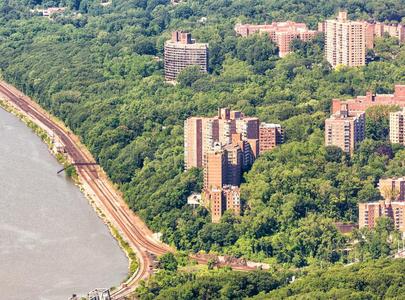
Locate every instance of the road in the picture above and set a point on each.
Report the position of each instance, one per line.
(109, 200)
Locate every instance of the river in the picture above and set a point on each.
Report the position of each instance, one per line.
(52, 243)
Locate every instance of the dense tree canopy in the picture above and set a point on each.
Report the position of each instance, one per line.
(99, 69)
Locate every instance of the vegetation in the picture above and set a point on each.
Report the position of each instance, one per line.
(380, 279)
(99, 69)
(219, 284)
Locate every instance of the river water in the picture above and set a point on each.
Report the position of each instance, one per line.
(52, 244)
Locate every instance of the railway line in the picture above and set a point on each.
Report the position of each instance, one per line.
(109, 200)
(129, 225)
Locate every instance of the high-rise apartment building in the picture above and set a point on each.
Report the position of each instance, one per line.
(222, 199)
(393, 206)
(345, 129)
(379, 29)
(234, 164)
(224, 146)
(345, 41)
(182, 51)
(361, 103)
(397, 127)
(371, 211)
(193, 152)
(200, 139)
(281, 33)
(215, 168)
(270, 135)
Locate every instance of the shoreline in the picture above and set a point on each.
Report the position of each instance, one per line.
(44, 134)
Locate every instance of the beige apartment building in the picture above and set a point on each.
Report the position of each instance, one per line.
(345, 41)
(182, 51)
(371, 211)
(345, 129)
(397, 124)
(393, 206)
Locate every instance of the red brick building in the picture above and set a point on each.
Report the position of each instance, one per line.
(224, 146)
(281, 33)
(361, 103)
(270, 136)
(222, 199)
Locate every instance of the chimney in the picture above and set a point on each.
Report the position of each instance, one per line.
(344, 110)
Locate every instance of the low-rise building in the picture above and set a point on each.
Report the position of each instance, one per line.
(281, 33)
(361, 103)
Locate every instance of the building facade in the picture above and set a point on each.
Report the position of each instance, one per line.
(392, 191)
(345, 41)
(193, 155)
(345, 129)
(375, 30)
(221, 199)
(392, 188)
(397, 124)
(371, 211)
(281, 33)
(361, 103)
(379, 29)
(270, 136)
(182, 51)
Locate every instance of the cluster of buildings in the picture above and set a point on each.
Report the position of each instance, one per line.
(345, 129)
(346, 126)
(346, 41)
(281, 33)
(392, 206)
(225, 146)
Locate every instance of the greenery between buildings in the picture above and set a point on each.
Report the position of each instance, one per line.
(100, 72)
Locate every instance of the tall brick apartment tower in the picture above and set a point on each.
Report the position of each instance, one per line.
(270, 135)
(345, 41)
(182, 51)
(345, 129)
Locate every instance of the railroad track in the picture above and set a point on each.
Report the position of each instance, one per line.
(132, 228)
(129, 225)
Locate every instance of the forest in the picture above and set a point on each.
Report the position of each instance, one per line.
(99, 69)
(379, 279)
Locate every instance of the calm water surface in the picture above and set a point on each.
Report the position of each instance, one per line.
(52, 243)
